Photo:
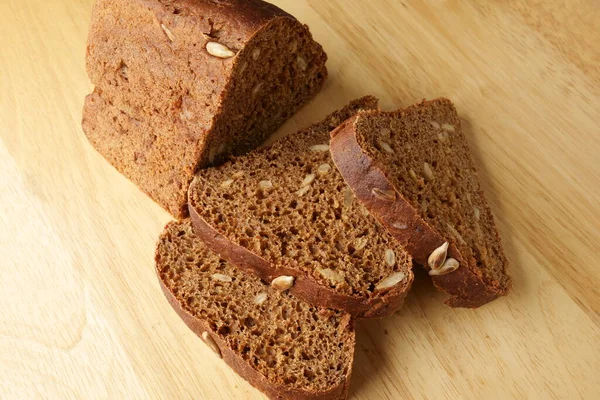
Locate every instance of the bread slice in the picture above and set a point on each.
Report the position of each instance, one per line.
(286, 211)
(283, 346)
(181, 84)
(420, 158)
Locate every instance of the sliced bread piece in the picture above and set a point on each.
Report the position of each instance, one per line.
(420, 158)
(180, 84)
(285, 213)
(283, 346)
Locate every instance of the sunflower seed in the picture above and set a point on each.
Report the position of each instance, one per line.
(219, 50)
(221, 278)
(448, 127)
(308, 180)
(360, 243)
(450, 265)
(260, 298)
(438, 256)
(331, 275)
(428, 172)
(283, 282)
(386, 195)
(386, 147)
(319, 148)
(168, 32)
(390, 281)
(390, 257)
(265, 184)
(324, 169)
(226, 183)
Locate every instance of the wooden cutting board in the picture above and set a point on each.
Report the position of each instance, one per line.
(81, 312)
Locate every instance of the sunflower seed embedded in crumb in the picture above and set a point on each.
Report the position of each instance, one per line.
(168, 32)
(443, 135)
(456, 234)
(211, 343)
(424, 206)
(302, 63)
(386, 195)
(348, 197)
(331, 275)
(448, 127)
(438, 256)
(450, 265)
(399, 225)
(257, 88)
(238, 175)
(391, 281)
(283, 282)
(221, 277)
(477, 213)
(427, 171)
(360, 243)
(303, 191)
(390, 257)
(319, 148)
(260, 298)
(324, 169)
(265, 184)
(308, 179)
(226, 183)
(434, 124)
(219, 50)
(413, 175)
(255, 54)
(386, 147)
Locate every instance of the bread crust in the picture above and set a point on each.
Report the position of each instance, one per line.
(465, 286)
(255, 378)
(305, 287)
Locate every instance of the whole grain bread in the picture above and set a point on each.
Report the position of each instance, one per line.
(285, 213)
(283, 346)
(435, 206)
(180, 84)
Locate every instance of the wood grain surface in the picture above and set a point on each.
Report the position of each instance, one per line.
(81, 312)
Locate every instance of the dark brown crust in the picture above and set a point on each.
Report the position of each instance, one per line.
(305, 287)
(466, 286)
(256, 379)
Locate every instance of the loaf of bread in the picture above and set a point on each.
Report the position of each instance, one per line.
(180, 84)
(433, 204)
(283, 346)
(285, 213)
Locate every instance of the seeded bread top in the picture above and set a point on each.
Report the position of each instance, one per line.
(288, 204)
(292, 345)
(421, 156)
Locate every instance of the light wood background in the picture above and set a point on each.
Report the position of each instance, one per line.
(81, 312)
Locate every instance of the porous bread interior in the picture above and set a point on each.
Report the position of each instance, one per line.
(286, 340)
(322, 229)
(161, 128)
(450, 199)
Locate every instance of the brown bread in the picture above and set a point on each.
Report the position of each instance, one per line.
(180, 84)
(286, 211)
(421, 158)
(283, 346)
